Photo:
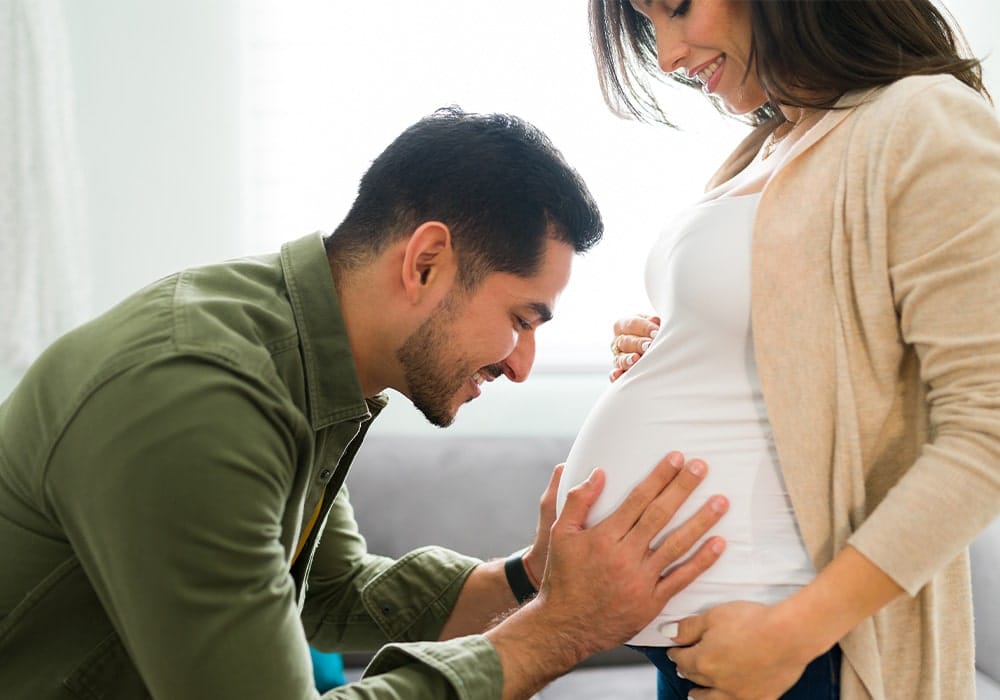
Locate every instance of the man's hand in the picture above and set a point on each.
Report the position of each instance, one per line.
(538, 553)
(608, 572)
(603, 584)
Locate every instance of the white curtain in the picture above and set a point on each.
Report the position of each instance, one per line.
(43, 264)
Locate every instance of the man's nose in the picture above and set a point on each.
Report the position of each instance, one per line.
(517, 365)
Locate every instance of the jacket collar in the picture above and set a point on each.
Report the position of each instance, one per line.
(332, 387)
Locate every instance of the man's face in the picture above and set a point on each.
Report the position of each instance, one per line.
(474, 337)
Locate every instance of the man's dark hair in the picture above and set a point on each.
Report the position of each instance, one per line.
(496, 181)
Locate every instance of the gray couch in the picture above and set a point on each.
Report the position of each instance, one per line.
(479, 496)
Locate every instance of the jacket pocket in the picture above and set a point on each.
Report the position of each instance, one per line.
(107, 673)
(58, 642)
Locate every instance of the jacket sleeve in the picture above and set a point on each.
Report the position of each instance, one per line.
(360, 601)
(941, 177)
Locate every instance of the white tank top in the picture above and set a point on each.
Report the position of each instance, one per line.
(696, 390)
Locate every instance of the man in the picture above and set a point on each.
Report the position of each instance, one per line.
(167, 469)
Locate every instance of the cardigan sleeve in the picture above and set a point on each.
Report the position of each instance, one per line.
(940, 173)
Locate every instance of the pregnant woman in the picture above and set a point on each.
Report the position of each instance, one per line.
(830, 345)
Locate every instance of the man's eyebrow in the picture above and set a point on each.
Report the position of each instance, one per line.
(543, 311)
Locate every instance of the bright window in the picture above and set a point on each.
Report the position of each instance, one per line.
(329, 84)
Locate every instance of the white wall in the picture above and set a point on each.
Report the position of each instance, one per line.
(980, 22)
(158, 98)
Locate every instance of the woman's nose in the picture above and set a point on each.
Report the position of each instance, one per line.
(670, 50)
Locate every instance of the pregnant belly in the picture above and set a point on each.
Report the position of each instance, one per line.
(627, 433)
(626, 439)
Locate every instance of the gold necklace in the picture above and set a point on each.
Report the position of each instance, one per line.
(772, 141)
(804, 119)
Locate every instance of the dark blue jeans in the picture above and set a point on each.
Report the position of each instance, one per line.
(820, 680)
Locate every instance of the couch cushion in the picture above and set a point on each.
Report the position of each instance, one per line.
(476, 495)
(617, 682)
(985, 554)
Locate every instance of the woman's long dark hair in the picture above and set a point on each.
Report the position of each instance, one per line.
(806, 53)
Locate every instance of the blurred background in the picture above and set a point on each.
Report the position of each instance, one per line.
(141, 137)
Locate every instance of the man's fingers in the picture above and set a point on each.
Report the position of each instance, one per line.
(680, 576)
(548, 501)
(581, 498)
(624, 518)
(660, 511)
(682, 538)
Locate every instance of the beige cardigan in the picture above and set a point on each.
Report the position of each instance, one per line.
(876, 322)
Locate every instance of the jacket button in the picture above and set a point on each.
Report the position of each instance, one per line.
(325, 474)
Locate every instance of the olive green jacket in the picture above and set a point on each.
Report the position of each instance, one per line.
(157, 468)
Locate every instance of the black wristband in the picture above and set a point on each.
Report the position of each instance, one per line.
(518, 579)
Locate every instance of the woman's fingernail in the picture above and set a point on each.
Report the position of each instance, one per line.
(669, 629)
(696, 467)
(645, 345)
(630, 359)
(652, 333)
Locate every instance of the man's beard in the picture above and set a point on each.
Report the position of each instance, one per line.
(433, 379)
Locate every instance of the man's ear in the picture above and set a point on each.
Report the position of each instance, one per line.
(428, 261)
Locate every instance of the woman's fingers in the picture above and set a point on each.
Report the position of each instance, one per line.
(628, 344)
(633, 336)
(622, 361)
(639, 325)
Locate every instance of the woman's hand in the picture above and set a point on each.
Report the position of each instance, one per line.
(747, 650)
(740, 651)
(633, 334)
